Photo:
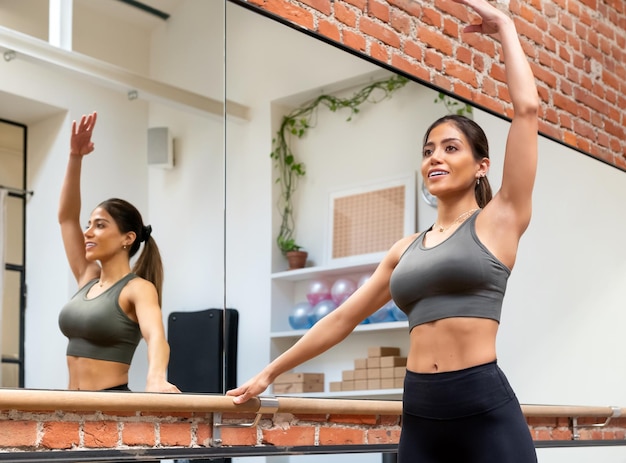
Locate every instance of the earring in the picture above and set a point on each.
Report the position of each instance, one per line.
(477, 181)
(125, 247)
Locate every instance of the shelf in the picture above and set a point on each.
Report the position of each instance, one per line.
(378, 394)
(342, 267)
(377, 327)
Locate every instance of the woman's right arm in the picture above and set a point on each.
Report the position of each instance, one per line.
(70, 202)
(331, 329)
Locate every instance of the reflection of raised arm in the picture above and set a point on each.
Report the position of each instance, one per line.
(521, 149)
(331, 329)
(70, 202)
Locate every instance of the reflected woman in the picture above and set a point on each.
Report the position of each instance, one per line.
(451, 280)
(115, 306)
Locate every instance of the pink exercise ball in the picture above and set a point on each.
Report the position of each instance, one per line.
(318, 290)
(342, 289)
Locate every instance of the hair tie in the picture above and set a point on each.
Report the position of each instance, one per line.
(146, 231)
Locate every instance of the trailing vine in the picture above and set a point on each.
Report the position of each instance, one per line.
(296, 124)
(453, 106)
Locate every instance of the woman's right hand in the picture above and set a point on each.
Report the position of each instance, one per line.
(250, 389)
(80, 141)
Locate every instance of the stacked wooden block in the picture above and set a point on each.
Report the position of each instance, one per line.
(384, 368)
(289, 383)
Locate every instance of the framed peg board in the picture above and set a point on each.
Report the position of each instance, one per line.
(368, 220)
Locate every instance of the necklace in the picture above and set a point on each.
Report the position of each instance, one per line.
(460, 218)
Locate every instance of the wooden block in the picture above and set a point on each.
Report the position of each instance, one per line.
(392, 362)
(373, 383)
(289, 378)
(373, 362)
(360, 374)
(294, 388)
(347, 375)
(381, 351)
(398, 383)
(399, 372)
(387, 383)
(347, 385)
(373, 373)
(360, 385)
(360, 364)
(335, 386)
(387, 372)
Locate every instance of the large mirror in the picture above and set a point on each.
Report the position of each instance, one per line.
(562, 317)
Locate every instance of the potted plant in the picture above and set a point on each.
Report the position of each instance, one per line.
(289, 169)
(296, 256)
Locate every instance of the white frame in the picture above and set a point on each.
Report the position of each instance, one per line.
(410, 214)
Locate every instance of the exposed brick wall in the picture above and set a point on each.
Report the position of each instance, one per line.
(576, 49)
(37, 431)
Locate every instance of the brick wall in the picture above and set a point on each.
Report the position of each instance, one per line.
(82, 426)
(576, 49)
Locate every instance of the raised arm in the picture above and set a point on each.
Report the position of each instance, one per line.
(520, 163)
(70, 202)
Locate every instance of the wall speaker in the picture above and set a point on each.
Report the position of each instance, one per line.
(160, 148)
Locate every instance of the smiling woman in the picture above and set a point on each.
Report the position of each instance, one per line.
(114, 307)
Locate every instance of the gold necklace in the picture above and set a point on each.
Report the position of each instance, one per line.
(460, 218)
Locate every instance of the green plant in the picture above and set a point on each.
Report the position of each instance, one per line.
(453, 105)
(296, 124)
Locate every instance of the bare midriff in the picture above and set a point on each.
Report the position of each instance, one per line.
(95, 375)
(452, 344)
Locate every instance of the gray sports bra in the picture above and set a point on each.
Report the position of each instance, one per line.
(456, 278)
(98, 328)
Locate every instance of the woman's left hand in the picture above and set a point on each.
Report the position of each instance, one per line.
(161, 386)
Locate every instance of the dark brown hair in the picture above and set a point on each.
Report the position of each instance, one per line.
(128, 219)
(478, 143)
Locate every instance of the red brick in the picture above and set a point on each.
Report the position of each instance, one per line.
(138, 434)
(100, 434)
(18, 433)
(292, 436)
(175, 434)
(60, 435)
(341, 436)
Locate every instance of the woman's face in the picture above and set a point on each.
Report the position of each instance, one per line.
(448, 165)
(102, 236)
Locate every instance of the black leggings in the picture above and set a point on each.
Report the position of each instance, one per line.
(121, 387)
(465, 416)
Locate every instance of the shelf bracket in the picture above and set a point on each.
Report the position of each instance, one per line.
(617, 412)
(269, 405)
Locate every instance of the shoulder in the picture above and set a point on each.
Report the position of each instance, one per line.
(137, 287)
(398, 248)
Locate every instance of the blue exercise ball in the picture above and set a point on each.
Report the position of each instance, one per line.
(321, 309)
(299, 316)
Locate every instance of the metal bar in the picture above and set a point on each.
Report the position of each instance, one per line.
(147, 8)
(17, 191)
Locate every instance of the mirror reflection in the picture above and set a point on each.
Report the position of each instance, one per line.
(545, 308)
(128, 65)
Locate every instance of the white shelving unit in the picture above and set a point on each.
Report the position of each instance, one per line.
(290, 287)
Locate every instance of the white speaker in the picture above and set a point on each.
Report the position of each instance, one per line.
(160, 148)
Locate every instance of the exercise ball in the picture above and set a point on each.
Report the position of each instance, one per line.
(342, 289)
(299, 316)
(321, 309)
(363, 279)
(318, 290)
(382, 315)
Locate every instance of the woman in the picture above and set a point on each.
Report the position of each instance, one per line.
(115, 307)
(450, 280)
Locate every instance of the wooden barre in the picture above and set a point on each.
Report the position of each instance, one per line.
(39, 399)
